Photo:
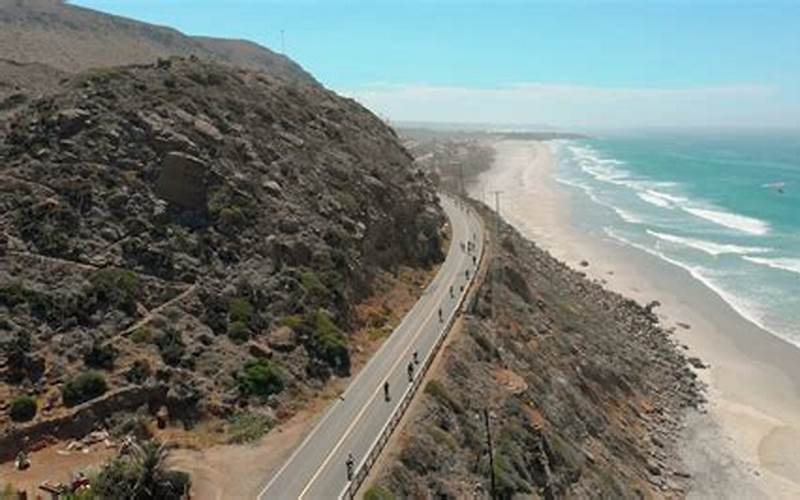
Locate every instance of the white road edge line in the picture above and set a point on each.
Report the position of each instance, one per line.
(431, 287)
(367, 405)
(459, 304)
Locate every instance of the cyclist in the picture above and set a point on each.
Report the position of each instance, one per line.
(350, 464)
(411, 372)
(386, 391)
(440, 315)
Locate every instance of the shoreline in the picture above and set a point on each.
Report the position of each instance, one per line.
(742, 446)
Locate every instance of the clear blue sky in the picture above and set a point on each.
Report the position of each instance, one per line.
(389, 53)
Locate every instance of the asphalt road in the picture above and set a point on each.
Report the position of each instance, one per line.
(317, 469)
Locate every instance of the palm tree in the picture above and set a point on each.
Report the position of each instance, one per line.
(148, 463)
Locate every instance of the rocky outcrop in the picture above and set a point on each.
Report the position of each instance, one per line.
(584, 394)
(182, 181)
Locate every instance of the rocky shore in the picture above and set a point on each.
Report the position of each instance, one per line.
(584, 391)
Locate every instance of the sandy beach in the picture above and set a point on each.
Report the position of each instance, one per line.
(744, 445)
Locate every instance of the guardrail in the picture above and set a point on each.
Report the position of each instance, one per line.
(364, 466)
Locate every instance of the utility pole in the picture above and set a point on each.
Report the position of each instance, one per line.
(461, 179)
(496, 271)
(491, 452)
(283, 44)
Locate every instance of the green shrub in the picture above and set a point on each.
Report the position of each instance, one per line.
(13, 294)
(260, 378)
(347, 200)
(139, 372)
(294, 321)
(378, 492)
(115, 287)
(142, 474)
(329, 343)
(238, 331)
(442, 437)
(378, 333)
(311, 282)
(101, 356)
(248, 427)
(240, 309)
(82, 388)
(483, 342)
(50, 307)
(135, 425)
(22, 409)
(505, 476)
(143, 335)
(379, 319)
(231, 218)
(17, 356)
(170, 345)
(103, 74)
(176, 483)
(435, 389)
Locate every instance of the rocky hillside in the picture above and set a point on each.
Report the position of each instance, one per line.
(195, 227)
(71, 39)
(584, 391)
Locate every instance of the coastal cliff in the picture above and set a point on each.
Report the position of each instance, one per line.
(585, 393)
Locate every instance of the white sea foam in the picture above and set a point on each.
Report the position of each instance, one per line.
(628, 216)
(746, 308)
(609, 172)
(606, 170)
(665, 196)
(654, 200)
(625, 215)
(784, 264)
(738, 222)
(708, 247)
(572, 183)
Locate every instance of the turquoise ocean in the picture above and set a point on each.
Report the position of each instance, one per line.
(724, 206)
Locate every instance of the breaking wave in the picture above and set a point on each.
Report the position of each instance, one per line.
(708, 247)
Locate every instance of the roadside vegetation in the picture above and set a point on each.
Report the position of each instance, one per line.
(84, 387)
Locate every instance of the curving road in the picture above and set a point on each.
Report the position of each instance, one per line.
(317, 469)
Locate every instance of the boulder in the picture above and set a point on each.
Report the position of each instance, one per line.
(272, 187)
(183, 181)
(71, 121)
(207, 129)
(258, 350)
(697, 363)
(168, 139)
(282, 339)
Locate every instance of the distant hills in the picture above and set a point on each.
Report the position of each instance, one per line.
(70, 39)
